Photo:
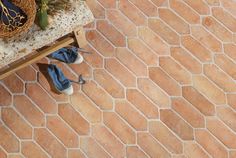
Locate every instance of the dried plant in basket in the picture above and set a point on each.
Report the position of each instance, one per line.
(50, 7)
(55, 6)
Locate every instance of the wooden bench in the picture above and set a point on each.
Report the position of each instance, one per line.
(77, 36)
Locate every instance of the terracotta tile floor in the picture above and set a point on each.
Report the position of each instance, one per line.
(162, 83)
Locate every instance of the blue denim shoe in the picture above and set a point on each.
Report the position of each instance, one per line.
(61, 83)
(68, 55)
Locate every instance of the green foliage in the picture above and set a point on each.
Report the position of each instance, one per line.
(42, 15)
(50, 7)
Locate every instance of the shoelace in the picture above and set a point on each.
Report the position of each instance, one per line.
(81, 80)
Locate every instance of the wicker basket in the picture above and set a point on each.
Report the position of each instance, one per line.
(29, 7)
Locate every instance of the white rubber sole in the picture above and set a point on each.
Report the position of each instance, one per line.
(79, 59)
(68, 91)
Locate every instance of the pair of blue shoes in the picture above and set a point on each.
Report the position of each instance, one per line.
(60, 82)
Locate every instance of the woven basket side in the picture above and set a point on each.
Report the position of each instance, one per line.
(29, 7)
